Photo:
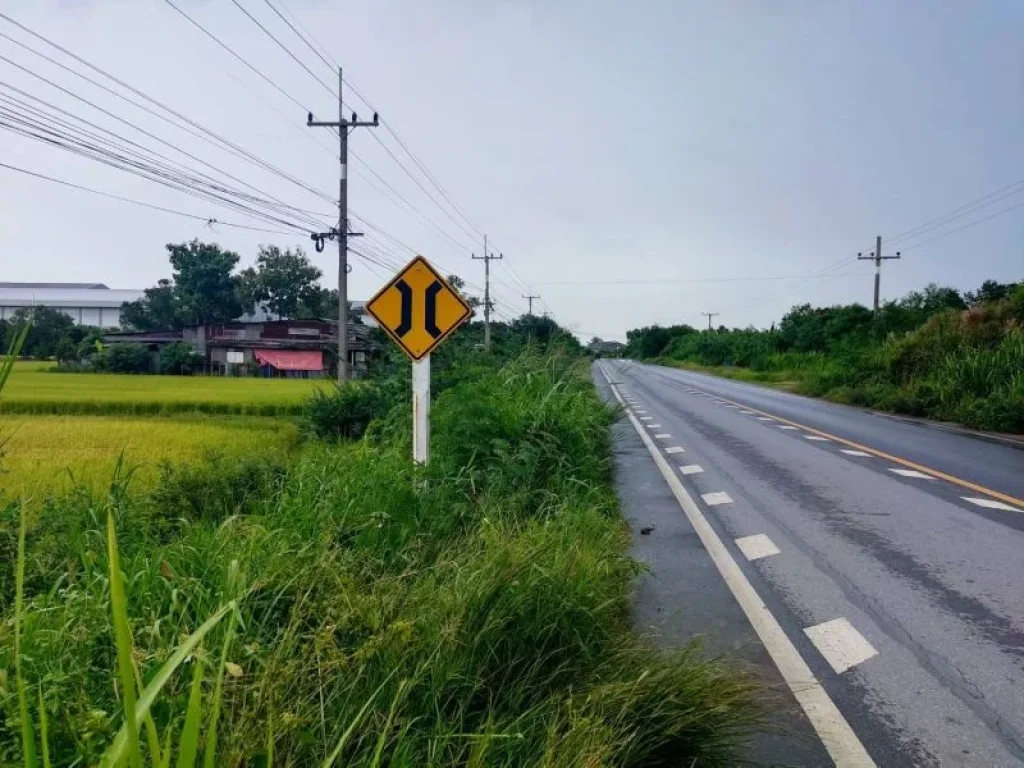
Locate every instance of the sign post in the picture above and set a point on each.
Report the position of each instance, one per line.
(421, 410)
(419, 310)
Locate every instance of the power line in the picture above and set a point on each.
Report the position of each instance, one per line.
(206, 134)
(965, 226)
(206, 219)
(223, 45)
(130, 159)
(285, 48)
(132, 125)
(266, 78)
(333, 66)
(419, 164)
(965, 209)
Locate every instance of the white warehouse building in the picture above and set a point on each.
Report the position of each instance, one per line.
(86, 303)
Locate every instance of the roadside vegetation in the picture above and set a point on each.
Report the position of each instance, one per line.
(935, 353)
(338, 606)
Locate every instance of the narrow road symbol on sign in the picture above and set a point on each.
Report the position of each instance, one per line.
(418, 309)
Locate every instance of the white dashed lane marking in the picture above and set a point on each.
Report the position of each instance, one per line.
(911, 473)
(732, 406)
(819, 439)
(654, 426)
(691, 469)
(716, 498)
(747, 413)
(674, 449)
(757, 546)
(785, 426)
(663, 436)
(764, 418)
(645, 418)
(841, 644)
(990, 504)
(850, 452)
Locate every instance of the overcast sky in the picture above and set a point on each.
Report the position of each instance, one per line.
(625, 157)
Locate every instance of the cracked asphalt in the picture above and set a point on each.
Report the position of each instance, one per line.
(913, 543)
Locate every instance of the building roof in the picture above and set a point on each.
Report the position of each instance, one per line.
(92, 286)
(64, 295)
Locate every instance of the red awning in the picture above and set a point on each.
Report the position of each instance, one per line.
(292, 359)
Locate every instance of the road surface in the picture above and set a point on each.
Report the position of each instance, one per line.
(885, 557)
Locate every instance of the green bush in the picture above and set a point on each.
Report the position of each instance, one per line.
(123, 358)
(179, 358)
(345, 411)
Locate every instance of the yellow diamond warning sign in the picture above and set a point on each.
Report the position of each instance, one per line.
(418, 309)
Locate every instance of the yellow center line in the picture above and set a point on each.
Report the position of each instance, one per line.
(882, 454)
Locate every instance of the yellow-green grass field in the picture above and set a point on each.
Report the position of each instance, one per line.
(33, 388)
(41, 453)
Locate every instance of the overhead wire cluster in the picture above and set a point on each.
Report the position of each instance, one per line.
(114, 137)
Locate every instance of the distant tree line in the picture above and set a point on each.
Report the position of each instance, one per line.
(813, 329)
(936, 352)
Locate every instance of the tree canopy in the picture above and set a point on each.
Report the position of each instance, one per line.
(284, 283)
(204, 288)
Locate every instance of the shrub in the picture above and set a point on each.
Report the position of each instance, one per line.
(216, 488)
(123, 358)
(179, 358)
(344, 412)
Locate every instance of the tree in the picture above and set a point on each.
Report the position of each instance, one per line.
(123, 358)
(934, 298)
(155, 310)
(284, 283)
(204, 288)
(49, 326)
(990, 290)
(65, 350)
(459, 286)
(179, 358)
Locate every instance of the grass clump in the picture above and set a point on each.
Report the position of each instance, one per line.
(474, 612)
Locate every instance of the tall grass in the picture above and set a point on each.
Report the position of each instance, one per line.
(475, 612)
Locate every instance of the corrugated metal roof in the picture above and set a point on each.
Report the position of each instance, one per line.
(52, 285)
(15, 295)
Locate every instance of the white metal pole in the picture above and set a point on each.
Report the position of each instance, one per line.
(421, 411)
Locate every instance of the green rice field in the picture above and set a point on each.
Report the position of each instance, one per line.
(47, 454)
(59, 431)
(34, 388)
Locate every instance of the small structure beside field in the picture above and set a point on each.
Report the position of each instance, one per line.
(288, 348)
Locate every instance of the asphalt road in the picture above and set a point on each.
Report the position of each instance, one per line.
(890, 554)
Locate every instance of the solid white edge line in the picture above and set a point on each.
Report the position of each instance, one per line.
(828, 722)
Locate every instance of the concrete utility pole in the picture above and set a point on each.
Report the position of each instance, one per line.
(343, 127)
(878, 258)
(710, 315)
(530, 299)
(487, 258)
